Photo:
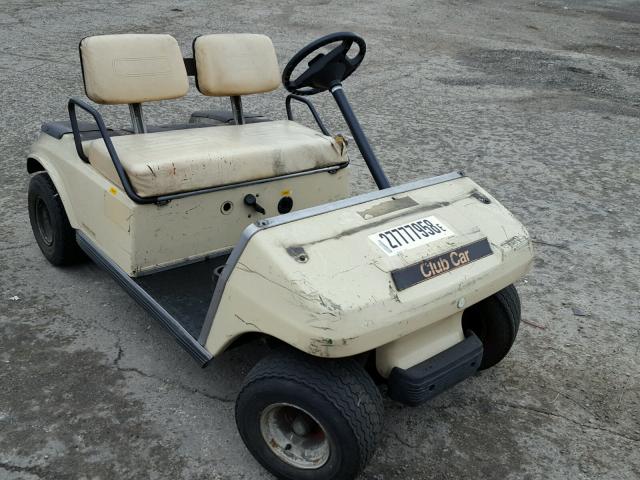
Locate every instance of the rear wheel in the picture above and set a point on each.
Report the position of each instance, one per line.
(50, 224)
(495, 321)
(305, 418)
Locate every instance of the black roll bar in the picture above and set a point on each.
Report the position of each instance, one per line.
(312, 109)
(122, 175)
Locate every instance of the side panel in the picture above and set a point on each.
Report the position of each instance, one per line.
(319, 283)
(92, 205)
(144, 238)
(193, 226)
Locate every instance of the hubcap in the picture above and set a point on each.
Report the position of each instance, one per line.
(44, 222)
(294, 436)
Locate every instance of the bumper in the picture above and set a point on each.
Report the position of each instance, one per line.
(425, 380)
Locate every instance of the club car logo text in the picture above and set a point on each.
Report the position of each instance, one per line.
(411, 235)
(445, 262)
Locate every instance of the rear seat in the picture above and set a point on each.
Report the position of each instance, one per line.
(131, 69)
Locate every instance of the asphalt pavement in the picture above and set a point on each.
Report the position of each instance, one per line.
(537, 101)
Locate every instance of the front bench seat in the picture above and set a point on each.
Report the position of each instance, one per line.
(163, 163)
(131, 69)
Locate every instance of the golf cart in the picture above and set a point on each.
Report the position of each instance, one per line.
(234, 227)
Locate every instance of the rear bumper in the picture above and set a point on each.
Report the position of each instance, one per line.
(427, 379)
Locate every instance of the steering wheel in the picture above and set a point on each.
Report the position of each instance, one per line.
(326, 70)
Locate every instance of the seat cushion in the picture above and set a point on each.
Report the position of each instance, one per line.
(163, 163)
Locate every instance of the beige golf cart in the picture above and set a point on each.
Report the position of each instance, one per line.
(234, 227)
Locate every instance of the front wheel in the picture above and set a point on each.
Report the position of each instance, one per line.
(495, 321)
(305, 418)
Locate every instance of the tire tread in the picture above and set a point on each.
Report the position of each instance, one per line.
(67, 251)
(330, 378)
(500, 314)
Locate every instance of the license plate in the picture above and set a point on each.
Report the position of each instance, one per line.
(411, 235)
(437, 265)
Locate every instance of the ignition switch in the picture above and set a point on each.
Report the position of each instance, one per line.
(251, 201)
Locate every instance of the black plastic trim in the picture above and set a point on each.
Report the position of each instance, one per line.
(84, 82)
(186, 341)
(332, 169)
(425, 380)
(169, 127)
(195, 63)
(226, 117)
(58, 129)
(190, 66)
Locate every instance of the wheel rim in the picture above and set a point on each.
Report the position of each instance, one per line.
(295, 436)
(43, 220)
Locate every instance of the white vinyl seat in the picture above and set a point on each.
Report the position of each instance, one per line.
(119, 69)
(176, 161)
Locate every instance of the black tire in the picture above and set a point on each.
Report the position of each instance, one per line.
(495, 320)
(337, 394)
(50, 224)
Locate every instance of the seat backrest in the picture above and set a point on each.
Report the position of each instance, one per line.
(132, 68)
(234, 64)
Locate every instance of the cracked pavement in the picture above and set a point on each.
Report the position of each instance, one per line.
(538, 101)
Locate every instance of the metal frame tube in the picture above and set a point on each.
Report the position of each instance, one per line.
(137, 119)
(361, 139)
(236, 108)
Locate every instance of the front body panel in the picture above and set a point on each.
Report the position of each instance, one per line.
(321, 284)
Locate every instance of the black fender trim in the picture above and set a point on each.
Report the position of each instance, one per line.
(427, 379)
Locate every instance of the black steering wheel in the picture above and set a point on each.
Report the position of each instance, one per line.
(326, 70)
